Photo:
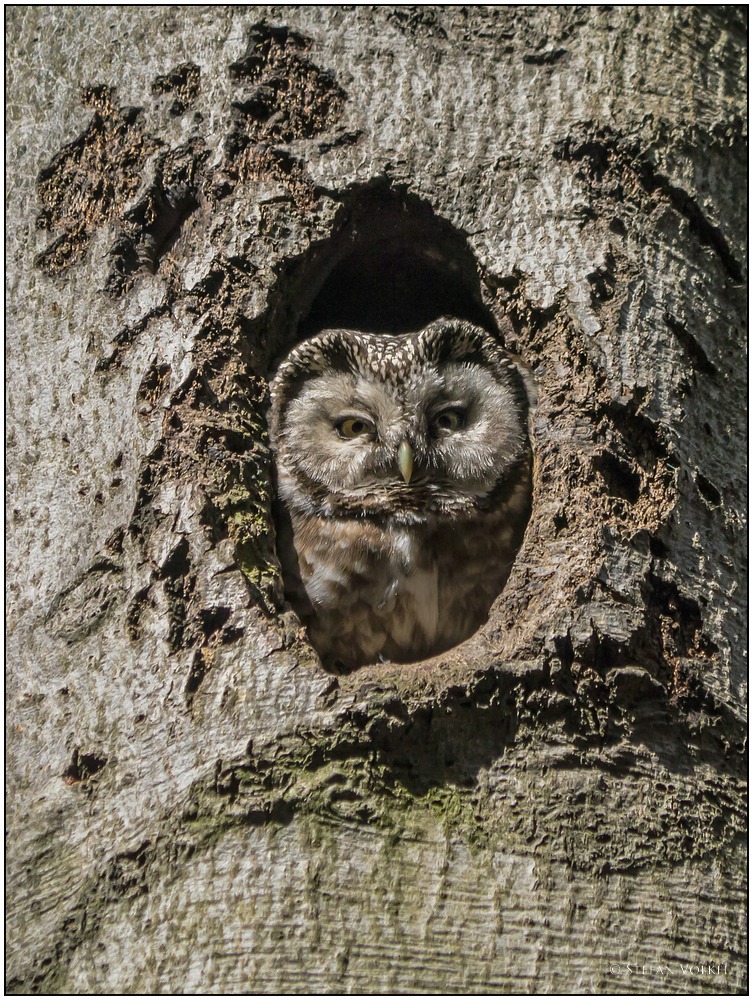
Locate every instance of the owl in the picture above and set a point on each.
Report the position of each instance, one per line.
(404, 478)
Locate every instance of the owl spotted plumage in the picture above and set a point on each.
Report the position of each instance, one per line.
(404, 471)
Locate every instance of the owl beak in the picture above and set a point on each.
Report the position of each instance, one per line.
(405, 460)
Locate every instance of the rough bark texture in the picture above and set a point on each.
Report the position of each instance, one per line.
(194, 805)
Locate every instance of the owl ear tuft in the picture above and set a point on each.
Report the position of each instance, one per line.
(449, 339)
(327, 351)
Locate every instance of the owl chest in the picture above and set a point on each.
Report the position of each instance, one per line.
(390, 593)
(356, 563)
(409, 588)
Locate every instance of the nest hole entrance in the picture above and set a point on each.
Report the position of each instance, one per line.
(391, 267)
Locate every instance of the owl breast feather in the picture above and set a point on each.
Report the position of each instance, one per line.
(397, 593)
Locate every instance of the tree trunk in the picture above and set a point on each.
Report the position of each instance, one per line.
(195, 805)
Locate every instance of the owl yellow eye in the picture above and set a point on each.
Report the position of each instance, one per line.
(353, 427)
(447, 422)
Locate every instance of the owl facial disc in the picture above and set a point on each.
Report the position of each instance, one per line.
(356, 417)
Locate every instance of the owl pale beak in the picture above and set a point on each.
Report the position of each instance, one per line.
(405, 460)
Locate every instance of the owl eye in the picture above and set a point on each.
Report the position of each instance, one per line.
(353, 427)
(447, 422)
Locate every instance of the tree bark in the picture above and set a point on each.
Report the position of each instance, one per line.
(194, 805)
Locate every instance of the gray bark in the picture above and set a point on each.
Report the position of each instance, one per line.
(193, 804)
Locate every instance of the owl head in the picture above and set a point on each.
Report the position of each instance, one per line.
(408, 426)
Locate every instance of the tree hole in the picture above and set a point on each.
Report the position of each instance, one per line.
(400, 430)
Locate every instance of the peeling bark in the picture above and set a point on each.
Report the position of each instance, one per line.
(557, 805)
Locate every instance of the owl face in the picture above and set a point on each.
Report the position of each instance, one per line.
(409, 426)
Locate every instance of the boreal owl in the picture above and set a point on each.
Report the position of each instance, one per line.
(404, 472)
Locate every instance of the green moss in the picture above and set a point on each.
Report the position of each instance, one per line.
(242, 510)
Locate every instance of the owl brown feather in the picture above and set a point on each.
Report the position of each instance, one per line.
(404, 470)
